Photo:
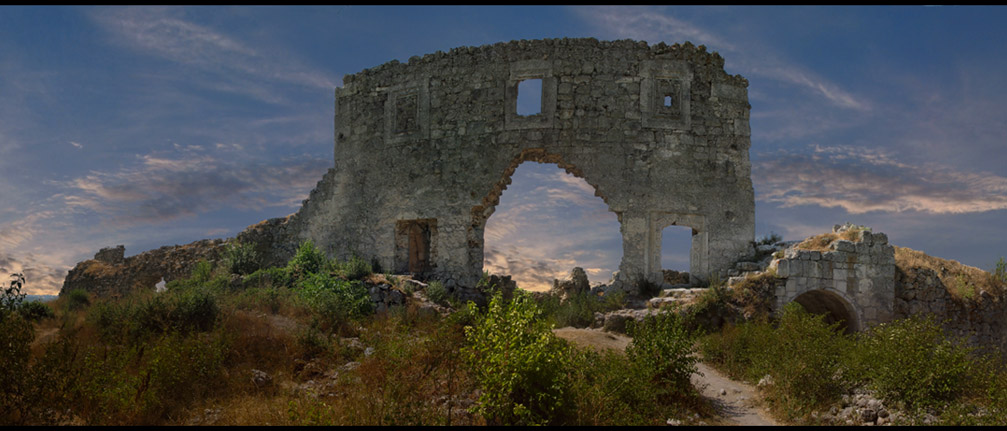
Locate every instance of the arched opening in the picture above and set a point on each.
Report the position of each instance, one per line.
(545, 222)
(833, 306)
(676, 255)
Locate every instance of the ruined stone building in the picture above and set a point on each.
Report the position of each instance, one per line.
(424, 149)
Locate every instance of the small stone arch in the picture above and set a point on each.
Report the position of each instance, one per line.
(833, 305)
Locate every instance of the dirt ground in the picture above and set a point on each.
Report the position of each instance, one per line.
(736, 401)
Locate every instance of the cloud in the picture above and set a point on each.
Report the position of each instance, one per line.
(191, 181)
(42, 277)
(77, 145)
(234, 64)
(655, 24)
(862, 180)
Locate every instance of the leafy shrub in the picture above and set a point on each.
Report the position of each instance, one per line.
(578, 310)
(914, 361)
(1000, 272)
(77, 299)
(16, 334)
(355, 269)
(35, 310)
(12, 297)
(437, 293)
(334, 301)
(142, 317)
(770, 239)
(308, 260)
(662, 349)
(241, 258)
(805, 359)
(273, 276)
(804, 355)
(517, 362)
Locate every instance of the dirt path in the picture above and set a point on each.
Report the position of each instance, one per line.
(734, 400)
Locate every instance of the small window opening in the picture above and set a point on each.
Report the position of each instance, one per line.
(667, 101)
(529, 97)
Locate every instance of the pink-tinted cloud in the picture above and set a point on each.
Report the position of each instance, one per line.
(860, 181)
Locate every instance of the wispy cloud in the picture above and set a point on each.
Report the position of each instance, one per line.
(160, 32)
(192, 181)
(655, 24)
(860, 181)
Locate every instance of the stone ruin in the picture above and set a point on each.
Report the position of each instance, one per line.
(424, 149)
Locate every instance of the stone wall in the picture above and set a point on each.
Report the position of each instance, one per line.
(110, 274)
(979, 319)
(661, 133)
(852, 279)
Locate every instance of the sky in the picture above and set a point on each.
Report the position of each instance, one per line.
(153, 126)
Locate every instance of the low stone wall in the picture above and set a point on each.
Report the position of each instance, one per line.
(111, 274)
(857, 275)
(979, 319)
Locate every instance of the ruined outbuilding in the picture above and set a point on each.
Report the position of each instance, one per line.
(424, 149)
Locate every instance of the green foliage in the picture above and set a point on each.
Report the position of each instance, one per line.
(241, 258)
(914, 361)
(1000, 272)
(770, 239)
(35, 310)
(964, 289)
(355, 269)
(334, 301)
(12, 296)
(269, 277)
(517, 362)
(77, 299)
(437, 293)
(804, 356)
(16, 335)
(578, 310)
(141, 382)
(308, 260)
(143, 317)
(662, 350)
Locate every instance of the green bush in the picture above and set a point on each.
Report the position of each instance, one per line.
(308, 260)
(517, 362)
(912, 360)
(241, 258)
(334, 301)
(662, 350)
(77, 299)
(12, 297)
(805, 358)
(355, 269)
(143, 316)
(578, 310)
(35, 310)
(437, 293)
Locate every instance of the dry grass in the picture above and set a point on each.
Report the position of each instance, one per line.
(959, 279)
(98, 269)
(822, 242)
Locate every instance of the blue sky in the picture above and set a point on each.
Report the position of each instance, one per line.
(160, 126)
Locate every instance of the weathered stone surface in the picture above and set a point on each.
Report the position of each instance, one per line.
(575, 285)
(424, 149)
(108, 274)
(852, 281)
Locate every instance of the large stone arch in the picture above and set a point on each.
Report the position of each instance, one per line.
(427, 146)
